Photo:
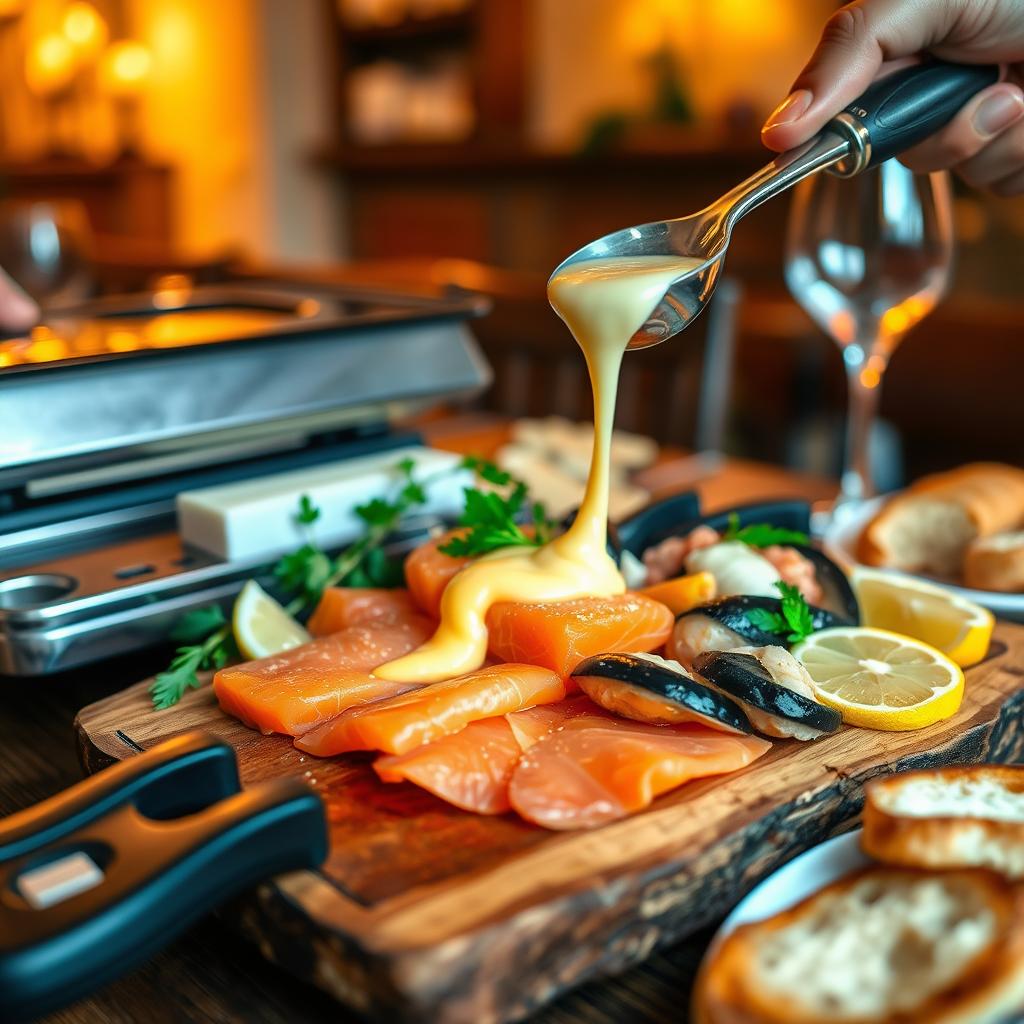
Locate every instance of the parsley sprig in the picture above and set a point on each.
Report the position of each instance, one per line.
(762, 535)
(492, 517)
(207, 643)
(794, 621)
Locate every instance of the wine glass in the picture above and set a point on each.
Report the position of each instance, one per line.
(45, 246)
(867, 258)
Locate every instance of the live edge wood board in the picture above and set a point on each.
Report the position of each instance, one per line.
(425, 913)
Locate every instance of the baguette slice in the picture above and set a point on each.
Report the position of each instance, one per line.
(948, 818)
(883, 946)
(928, 527)
(996, 563)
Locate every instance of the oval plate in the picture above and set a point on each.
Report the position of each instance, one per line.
(801, 877)
(840, 545)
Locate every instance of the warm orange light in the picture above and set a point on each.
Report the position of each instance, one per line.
(897, 320)
(84, 29)
(125, 68)
(842, 327)
(49, 65)
(44, 346)
(123, 341)
(11, 8)
(870, 377)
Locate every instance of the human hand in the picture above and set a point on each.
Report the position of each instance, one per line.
(984, 143)
(17, 311)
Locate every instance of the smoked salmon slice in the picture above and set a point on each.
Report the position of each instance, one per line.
(561, 634)
(428, 572)
(293, 691)
(341, 607)
(473, 768)
(592, 771)
(400, 724)
(533, 724)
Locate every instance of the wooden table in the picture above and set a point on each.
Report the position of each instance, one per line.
(210, 975)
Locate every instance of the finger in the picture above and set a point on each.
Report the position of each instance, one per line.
(857, 40)
(972, 134)
(1013, 185)
(17, 311)
(1002, 157)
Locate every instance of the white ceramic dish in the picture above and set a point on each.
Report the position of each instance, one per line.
(840, 544)
(812, 870)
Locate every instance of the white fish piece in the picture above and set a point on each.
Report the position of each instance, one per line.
(787, 672)
(737, 568)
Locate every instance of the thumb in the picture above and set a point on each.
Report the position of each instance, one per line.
(17, 311)
(855, 44)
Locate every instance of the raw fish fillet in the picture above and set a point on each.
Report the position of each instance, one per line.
(561, 634)
(472, 769)
(402, 723)
(427, 572)
(592, 771)
(293, 691)
(341, 607)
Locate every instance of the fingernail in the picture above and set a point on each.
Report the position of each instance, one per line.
(790, 109)
(998, 112)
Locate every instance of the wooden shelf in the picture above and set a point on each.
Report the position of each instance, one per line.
(127, 196)
(488, 36)
(412, 30)
(456, 158)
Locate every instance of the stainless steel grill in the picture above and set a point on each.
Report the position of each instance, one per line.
(110, 410)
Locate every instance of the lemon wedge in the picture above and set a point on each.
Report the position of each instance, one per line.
(881, 680)
(959, 628)
(262, 627)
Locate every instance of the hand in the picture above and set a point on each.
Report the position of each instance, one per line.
(984, 143)
(17, 311)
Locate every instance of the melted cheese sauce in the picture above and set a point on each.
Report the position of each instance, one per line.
(603, 302)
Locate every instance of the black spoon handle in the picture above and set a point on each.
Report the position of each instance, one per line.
(904, 108)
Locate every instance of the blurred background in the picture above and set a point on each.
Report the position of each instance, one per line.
(430, 144)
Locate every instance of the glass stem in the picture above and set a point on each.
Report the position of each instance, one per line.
(858, 482)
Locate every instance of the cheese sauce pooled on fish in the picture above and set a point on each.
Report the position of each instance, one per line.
(603, 302)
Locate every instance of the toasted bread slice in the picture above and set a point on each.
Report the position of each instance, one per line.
(928, 527)
(996, 563)
(883, 946)
(948, 818)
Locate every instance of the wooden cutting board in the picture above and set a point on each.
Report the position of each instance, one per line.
(426, 913)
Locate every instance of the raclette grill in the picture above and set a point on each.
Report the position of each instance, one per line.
(110, 409)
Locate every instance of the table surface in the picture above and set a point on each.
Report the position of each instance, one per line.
(210, 974)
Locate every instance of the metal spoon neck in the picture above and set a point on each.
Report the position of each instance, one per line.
(783, 172)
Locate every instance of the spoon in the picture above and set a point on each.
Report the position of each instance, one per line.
(894, 114)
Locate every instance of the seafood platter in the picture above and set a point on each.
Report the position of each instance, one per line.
(546, 748)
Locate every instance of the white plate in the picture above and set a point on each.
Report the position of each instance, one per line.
(841, 545)
(801, 877)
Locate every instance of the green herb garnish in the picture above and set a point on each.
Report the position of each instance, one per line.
(491, 516)
(762, 535)
(308, 512)
(212, 647)
(794, 621)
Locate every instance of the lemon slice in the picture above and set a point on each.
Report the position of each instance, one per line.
(959, 628)
(262, 627)
(881, 680)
